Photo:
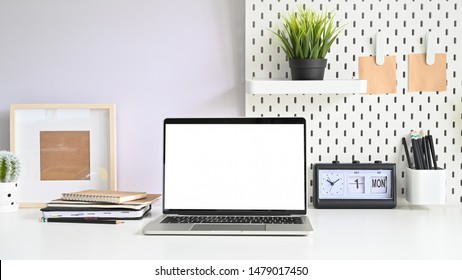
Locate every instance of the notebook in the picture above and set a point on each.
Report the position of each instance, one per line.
(234, 176)
(132, 204)
(99, 213)
(103, 196)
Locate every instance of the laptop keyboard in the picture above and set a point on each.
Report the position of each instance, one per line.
(231, 220)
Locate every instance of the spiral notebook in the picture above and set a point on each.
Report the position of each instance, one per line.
(103, 196)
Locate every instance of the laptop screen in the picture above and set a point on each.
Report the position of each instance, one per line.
(234, 165)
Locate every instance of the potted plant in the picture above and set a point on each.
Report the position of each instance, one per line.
(10, 168)
(306, 39)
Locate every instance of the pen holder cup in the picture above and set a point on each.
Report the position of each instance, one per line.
(426, 187)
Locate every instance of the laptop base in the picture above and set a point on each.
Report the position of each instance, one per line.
(157, 228)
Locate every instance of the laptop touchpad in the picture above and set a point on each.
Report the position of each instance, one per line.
(215, 227)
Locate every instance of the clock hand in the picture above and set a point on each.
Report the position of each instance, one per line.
(328, 180)
(336, 181)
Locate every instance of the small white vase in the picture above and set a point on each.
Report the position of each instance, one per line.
(9, 197)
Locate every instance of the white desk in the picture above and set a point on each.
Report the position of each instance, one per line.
(402, 233)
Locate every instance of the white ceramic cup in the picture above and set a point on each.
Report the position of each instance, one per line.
(426, 187)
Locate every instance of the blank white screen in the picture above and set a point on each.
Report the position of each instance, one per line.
(234, 166)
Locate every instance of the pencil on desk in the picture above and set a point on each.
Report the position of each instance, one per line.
(82, 221)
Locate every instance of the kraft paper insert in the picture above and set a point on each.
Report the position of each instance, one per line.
(64, 155)
(380, 78)
(424, 77)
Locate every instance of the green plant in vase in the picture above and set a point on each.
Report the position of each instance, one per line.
(306, 38)
(10, 169)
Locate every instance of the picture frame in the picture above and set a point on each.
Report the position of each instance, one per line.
(63, 148)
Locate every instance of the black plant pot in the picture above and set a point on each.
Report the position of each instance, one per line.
(307, 69)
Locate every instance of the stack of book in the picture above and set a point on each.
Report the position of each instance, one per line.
(98, 206)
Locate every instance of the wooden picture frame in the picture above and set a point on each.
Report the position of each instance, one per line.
(63, 148)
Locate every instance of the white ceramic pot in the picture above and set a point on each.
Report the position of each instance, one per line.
(9, 197)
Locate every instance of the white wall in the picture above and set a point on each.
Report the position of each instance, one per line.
(152, 58)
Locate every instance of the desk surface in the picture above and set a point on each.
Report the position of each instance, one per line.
(402, 233)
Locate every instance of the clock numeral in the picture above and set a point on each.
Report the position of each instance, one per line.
(379, 184)
(356, 184)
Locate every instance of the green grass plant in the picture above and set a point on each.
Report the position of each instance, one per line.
(308, 34)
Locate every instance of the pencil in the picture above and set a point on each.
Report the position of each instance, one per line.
(416, 150)
(432, 150)
(428, 153)
(422, 153)
(79, 220)
(406, 150)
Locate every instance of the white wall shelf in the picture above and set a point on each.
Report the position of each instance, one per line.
(260, 86)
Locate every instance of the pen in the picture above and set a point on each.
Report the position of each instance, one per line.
(83, 221)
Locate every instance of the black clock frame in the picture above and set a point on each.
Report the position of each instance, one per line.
(354, 203)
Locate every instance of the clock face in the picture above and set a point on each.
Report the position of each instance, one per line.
(332, 184)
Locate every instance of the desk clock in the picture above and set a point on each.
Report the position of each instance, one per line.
(354, 185)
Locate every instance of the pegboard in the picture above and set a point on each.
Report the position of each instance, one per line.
(366, 127)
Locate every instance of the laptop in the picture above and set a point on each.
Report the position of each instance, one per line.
(234, 176)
